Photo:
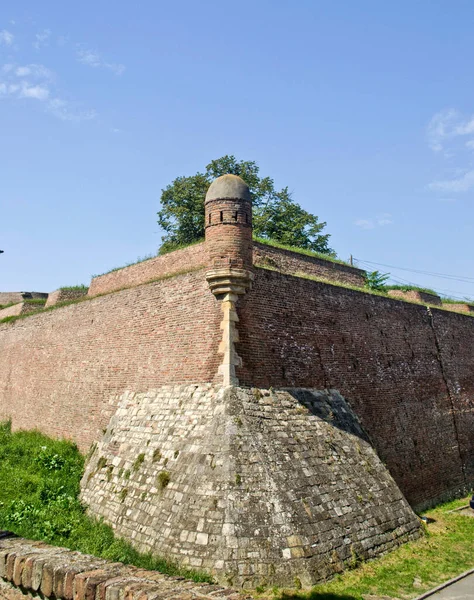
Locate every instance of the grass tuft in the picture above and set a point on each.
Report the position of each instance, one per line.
(39, 499)
(444, 552)
(411, 288)
(74, 288)
(275, 244)
(89, 298)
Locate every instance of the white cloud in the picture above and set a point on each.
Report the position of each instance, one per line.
(458, 184)
(6, 37)
(42, 39)
(66, 111)
(38, 92)
(94, 60)
(34, 82)
(470, 144)
(24, 89)
(378, 221)
(447, 125)
(34, 70)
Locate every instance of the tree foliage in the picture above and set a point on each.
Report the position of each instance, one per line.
(275, 214)
(375, 280)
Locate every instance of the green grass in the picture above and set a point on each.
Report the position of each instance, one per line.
(2, 306)
(275, 244)
(167, 249)
(81, 299)
(362, 290)
(411, 288)
(39, 489)
(444, 552)
(74, 288)
(141, 259)
(453, 301)
(38, 301)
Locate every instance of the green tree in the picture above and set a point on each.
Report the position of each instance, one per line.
(276, 216)
(375, 280)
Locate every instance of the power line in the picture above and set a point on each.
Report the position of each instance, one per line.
(443, 275)
(402, 281)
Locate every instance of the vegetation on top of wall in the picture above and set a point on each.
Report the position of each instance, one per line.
(81, 299)
(412, 288)
(467, 301)
(39, 499)
(362, 290)
(74, 288)
(2, 306)
(140, 259)
(444, 552)
(39, 301)
(168, 249)
(312, 253)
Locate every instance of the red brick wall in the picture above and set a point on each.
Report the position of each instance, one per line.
(178, 261)
(22, 308)
(403, 372)
(294, 262)
(63, 370)
(229, 232)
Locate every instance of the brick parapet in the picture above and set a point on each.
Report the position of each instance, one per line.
(64, 295)
(16, 297)
(293, 263)
(22, 308)
(459, 307)
(187, 259)
(416, 296)
(29, 568)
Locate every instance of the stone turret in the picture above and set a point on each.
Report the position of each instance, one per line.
(228, 214)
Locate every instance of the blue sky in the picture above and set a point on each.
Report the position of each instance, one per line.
(365, 110)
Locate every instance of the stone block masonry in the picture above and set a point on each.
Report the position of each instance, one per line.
(258, 487)
(64, 295)
(31, 569)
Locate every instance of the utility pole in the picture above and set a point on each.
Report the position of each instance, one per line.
(352, 261)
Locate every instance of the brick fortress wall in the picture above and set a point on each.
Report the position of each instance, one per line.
(63, 370)
(293, 263)
(192, 257)
(406, 370)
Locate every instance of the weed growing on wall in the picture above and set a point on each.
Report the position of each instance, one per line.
(39, 499)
